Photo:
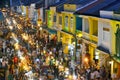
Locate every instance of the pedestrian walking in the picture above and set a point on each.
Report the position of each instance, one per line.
(103, 73)
(109, 75)
(88, 71)
(97, 74)
(92, 75)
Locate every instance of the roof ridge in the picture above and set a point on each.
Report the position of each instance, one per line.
(86, 7)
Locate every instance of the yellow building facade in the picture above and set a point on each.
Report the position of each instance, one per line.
(115, 62)
(59, 25)
(89, 39)
(104, 43)
(68, 29)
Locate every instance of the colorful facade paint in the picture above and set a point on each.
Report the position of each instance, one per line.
(69, 19)
(59, 21)
(59, 25)
(115, 63)
(78, 38)
(39, 16)
(90, 38)
(114, 30)
(27, 12)
(68, 30)
(39, 22)
(31, 11)
(104, 42)
(69, 22)
(23, 10)
(67, 42)
(49, 18)
(53, 16)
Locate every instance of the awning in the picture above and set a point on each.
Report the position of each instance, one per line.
(1, 16)
(101, 48)
(116, 58)
(88, 41)
(51, 31)
(66, 32)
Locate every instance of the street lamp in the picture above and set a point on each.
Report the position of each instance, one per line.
(86, 59)
(40, 28)
(11, 27)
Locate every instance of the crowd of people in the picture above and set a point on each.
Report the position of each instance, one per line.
(43, 57)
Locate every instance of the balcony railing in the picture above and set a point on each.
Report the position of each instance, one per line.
(86, 35)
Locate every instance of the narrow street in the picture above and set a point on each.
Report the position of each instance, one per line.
(59, 40)
(30, 54)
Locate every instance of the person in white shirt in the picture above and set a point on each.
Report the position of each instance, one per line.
(92, 75)
(96, 74)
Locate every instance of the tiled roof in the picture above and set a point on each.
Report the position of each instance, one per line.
(115, 6)
(60, 6)
(103, 49)
(93, 9)
(39, 4)
(77, 2)
(98, 7)
(88, 6)
(58, 3)
(81, 2)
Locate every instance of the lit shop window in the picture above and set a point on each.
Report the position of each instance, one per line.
(106, 35)
(117, 43)
(96, 54)
(95, 27)
(66, 23)
(49, 17)
(71, 23)
(54, 18)
(60, 20)
(86, 25)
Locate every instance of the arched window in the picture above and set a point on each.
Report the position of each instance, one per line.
(66, 23)
(117, 34)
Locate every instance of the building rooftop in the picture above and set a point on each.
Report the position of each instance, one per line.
(39, 4)
(80, 2)
(94, 8)
(115, 6)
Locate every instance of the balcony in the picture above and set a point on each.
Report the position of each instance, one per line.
(94, 39)
(86, 35)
